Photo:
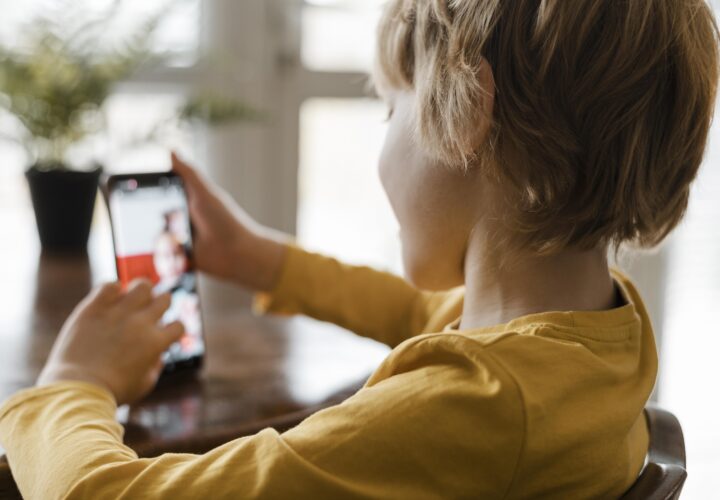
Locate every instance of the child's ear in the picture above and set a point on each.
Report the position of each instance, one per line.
(456, 109)
(486, 79)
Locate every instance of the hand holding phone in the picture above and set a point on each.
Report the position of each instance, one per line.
(152, 237)
(229, 244)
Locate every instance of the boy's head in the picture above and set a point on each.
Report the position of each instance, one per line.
(572, 124)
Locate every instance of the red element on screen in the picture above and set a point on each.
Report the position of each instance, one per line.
(136, 266)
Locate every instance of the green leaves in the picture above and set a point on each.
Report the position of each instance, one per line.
(214, 109)
(65, 68)
(54, 84)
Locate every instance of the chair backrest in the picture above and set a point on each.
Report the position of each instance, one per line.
(8, 489)
(664, 474)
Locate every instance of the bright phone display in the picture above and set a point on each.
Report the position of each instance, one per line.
(152, 237)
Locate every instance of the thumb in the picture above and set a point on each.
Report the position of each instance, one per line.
(193, 181)
(189, 174)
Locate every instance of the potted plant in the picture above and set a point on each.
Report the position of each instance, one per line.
(55, 86)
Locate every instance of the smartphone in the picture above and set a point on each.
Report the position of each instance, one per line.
(152, 237)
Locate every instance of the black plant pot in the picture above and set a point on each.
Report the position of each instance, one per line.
(63, 201)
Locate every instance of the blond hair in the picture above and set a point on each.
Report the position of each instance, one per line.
(601, 113)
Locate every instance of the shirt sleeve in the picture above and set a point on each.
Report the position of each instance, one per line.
(433, 424)
(369, 302)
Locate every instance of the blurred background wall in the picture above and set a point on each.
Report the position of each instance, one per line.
(309, 168)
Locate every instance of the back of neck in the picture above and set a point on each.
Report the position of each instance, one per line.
(528, 283)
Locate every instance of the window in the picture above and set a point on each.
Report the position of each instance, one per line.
(178, 30)
(691, 340)
(342, 208)
(339, 35)
(141, 127)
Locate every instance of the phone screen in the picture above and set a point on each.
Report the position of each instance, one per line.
(152, 237)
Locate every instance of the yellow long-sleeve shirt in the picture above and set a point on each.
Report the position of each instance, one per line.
(546, 406)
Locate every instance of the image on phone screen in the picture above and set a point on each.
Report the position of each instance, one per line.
(152, 237)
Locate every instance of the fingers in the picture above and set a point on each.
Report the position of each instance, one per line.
(171, 333)
(139, 294)
(105, 294)
(193, 180)
(157, 307)
(179, 166)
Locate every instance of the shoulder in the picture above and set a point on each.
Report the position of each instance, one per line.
(443, 349)
(439, 403)
(440, 366)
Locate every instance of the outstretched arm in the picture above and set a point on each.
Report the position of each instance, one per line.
(372, 303)
(430, 423)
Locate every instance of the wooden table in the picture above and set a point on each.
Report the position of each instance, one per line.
(259, 371)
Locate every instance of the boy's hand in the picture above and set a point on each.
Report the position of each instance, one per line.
(114, 339)
(228, 243)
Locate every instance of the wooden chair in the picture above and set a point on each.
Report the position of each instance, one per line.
(661, 479)
(664, 474)
(8, 490)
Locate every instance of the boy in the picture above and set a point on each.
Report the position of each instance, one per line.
(526, 137)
